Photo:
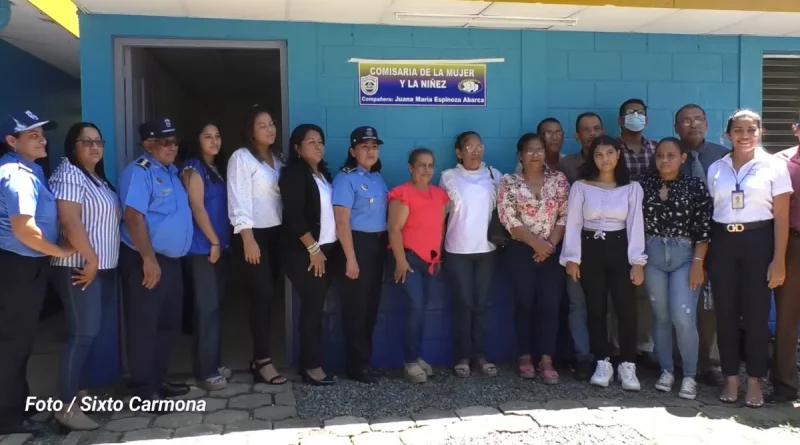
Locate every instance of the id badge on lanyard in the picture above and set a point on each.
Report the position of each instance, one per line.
(737, 195)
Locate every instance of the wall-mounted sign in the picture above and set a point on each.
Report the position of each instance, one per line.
(421, 83)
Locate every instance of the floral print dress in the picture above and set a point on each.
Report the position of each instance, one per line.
(518, 207)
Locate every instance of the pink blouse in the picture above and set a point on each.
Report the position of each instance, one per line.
(517, 207)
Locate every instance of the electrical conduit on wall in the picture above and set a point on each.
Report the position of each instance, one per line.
(5, 13)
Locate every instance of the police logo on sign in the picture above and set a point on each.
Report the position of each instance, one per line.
(369, 85)
(470, 86)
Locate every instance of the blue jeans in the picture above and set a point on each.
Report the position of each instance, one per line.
(673, 303)
(418, 290)
(84, 310)
(208, 284)
(538, 288)
(578, 320)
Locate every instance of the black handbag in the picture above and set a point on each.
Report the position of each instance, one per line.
(497, 233)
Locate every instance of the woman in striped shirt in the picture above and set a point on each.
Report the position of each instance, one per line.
(89, 217)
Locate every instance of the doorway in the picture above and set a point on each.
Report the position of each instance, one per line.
(194, 82)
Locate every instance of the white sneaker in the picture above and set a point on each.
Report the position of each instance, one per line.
(627, 375)
(688, 389)
(603, 374)
(665, 382)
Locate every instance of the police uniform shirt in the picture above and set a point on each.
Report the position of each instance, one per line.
(364, 193)
(760, 179)
(155, 191)
(23, 191)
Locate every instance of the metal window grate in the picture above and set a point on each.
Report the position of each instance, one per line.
(780, 100)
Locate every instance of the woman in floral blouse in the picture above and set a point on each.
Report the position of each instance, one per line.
(532, 205)
(677, 216)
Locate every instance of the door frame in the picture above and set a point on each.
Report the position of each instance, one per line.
(126, 137)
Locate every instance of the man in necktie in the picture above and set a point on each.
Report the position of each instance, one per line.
(691, 126)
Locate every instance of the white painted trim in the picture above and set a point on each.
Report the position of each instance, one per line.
(444, 61)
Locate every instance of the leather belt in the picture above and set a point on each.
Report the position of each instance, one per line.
(743, 227)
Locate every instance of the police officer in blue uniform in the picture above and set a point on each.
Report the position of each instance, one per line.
(28, 237)
(359, 199)
(156, 232)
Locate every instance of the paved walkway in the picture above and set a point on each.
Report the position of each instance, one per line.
(246, 413)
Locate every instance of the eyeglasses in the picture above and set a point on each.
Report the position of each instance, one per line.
(534, 151)
(691, 122)
(87, 143)
(553, 134)
(474, 148)
(632, 112)
(166, 143)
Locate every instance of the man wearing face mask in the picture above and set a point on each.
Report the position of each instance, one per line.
(639, 152)
(691, 126)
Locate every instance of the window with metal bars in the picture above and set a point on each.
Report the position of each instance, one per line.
(780, 100)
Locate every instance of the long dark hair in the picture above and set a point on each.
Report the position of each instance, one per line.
(589, 170)
(351, 161)
(195, 151)
(71, 140)
(296, 140)
(249, 124)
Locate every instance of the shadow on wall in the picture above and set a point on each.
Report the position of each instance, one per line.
(30, 84)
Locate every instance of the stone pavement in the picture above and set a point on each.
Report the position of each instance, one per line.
(246, 413)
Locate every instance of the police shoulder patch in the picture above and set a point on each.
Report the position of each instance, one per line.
(144, 163)
(349, 169)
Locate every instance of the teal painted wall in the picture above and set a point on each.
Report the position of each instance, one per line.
(560, 74)
(30, 84)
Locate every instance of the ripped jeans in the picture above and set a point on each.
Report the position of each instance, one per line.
(672, 302)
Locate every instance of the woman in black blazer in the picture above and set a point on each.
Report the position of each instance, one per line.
(309, 238)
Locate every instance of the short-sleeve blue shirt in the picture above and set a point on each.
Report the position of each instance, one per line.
(23, 191)
(156, 191)
(364, 193)
(215, 200)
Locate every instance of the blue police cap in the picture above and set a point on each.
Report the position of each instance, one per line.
(363, 134)
(157, 128)
(22, 121)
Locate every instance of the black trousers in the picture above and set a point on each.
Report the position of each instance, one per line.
(208, 288)
(260, 284)
(152, 319)
(361, 298)
(24, 285)
(604, 267)
(312, 291)
(738, 264)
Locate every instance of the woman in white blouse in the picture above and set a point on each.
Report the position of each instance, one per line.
(89, 215)
(254, 208)
(751, 190)
(472, 189)
(604, 249)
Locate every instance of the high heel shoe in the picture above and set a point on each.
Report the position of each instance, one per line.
(255, 369)
(326, 381)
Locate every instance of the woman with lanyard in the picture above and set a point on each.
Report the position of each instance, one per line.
(677, 214)
(359, 205)
(28, 236)
(604, 249)
(205, 261)
(417, 210)
(90, 214)
(254, 210)
(532, 205)
(310, 247)
(472, 189)
(751, 190)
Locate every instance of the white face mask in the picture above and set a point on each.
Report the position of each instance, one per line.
(635, 122)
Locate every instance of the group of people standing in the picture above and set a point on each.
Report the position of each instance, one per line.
(677, 218)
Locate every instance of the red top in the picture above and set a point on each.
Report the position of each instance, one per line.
(422, 233)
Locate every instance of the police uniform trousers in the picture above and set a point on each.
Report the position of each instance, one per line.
(737, 267)
(361, 298)
(152, 319)
(23, 286)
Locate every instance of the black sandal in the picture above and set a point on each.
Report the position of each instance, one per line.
(255, 369)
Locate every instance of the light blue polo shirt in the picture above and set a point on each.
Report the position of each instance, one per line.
(23, 191)
(364, 193)
(155, 191)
